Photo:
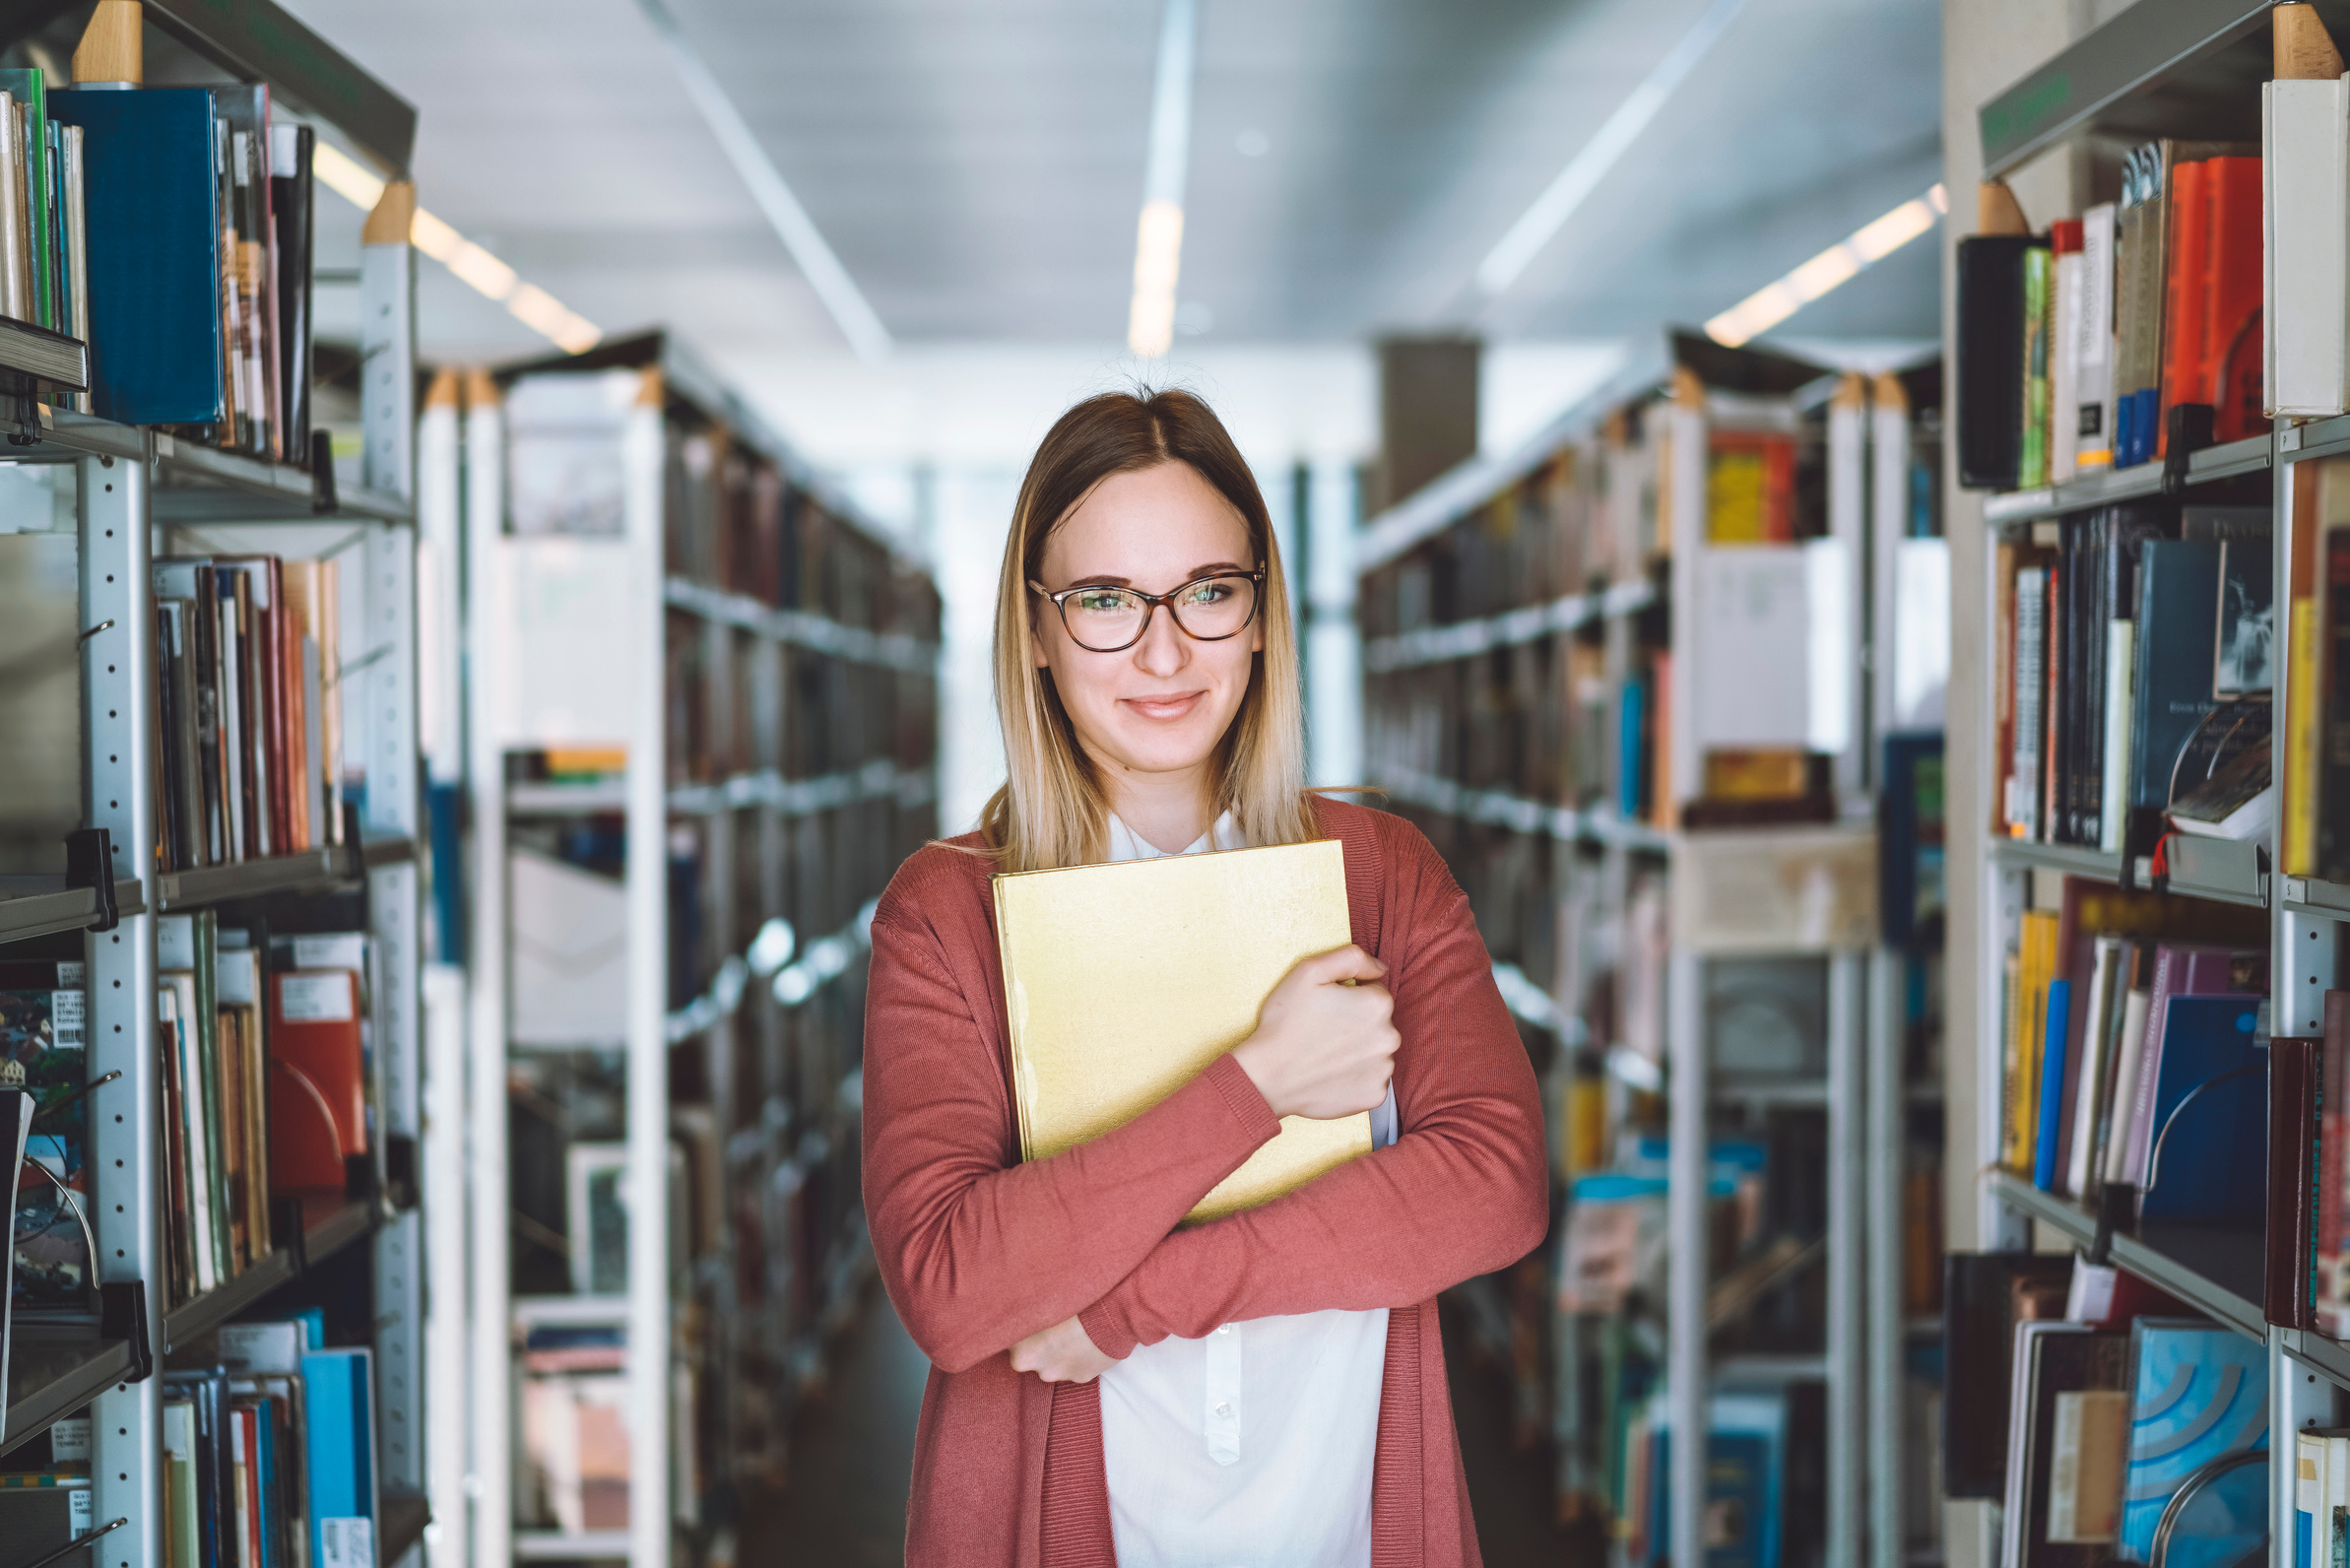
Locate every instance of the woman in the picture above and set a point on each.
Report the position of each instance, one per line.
(1268, 1388)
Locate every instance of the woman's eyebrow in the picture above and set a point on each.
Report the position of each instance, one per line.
(1103, 579)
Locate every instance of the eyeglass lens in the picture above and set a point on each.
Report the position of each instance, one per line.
(1107, 619)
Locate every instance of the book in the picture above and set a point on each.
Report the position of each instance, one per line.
(2068, 285)
(2304, 154)
(2030, 687)
(2032, 456)
(186, 953)
(1993, 313)
(2292, 1250)
(338, 1388)
(317, 1067)
(2331, 688)
(2318, 489)
(1193, 945)
(44, 1516)
(293, 206)
(2231, 372)
(2204, 1168)
(2186, 295)
(2173, 683)
(2068, 1422)
(2181, 969)
(2092, 419)
(153, 242)
(43, 1034)
(2197, 1392)
(2054, 1066)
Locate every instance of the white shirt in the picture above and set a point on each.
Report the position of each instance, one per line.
(1251, 1448)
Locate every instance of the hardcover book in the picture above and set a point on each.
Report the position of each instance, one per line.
(1124, 982)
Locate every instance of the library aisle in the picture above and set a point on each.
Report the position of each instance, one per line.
(1320, 783)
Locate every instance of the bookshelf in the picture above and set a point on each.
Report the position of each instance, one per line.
(137, 494)
(1520, 617)
(757, 672)
(2159, 68)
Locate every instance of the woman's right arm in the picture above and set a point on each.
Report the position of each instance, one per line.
(978, 1250)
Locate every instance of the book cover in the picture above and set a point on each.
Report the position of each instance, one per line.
(152, 231)
(2066, 337)
(2232, 306)
(2070, 1428)
(1191, 946)
(2092, 422)
(2187, 288)
(315, 1029)
(1990, 363)
(2173, 684)
(2054, 1066)
(2197, 1392)
(2182, 969)
(2244, 656)
(2211, 1165)
(337, 1391)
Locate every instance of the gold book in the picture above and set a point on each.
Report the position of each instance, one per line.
(1123, 983)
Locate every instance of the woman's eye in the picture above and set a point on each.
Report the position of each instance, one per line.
(1211, 593)
(1102, 603)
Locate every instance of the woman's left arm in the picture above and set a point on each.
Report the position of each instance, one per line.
(1461, 1192)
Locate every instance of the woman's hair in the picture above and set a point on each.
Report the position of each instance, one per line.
(1051, 810)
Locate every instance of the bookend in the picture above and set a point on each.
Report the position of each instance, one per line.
(2116, 1211)
(400, 1171)
(2190, 432)
(286, 1229)
(323, 498)
(89, 862)
(123, 1315)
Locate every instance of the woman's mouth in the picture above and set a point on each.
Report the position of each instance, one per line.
(1164, 709)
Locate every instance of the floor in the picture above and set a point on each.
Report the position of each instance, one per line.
(853, 1450)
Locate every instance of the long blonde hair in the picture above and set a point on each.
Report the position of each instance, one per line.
(1051, 810)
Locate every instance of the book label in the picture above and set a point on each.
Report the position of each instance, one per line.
(2084, 1480)
(316, 998)
(69, 1440)
(346, 1542)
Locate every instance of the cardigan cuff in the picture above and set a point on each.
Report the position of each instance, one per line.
(1239, 1091)
(1107, 1330)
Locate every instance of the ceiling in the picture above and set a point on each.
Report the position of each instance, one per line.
(978, 166)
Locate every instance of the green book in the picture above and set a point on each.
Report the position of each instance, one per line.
(29, 88)
(2039, 327)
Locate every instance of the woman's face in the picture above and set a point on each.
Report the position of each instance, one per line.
(1162, 706)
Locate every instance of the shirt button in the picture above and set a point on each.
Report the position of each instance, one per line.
(1223, 1407)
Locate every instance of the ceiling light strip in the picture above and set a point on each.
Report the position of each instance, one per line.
(470, 265)
(1840, 262)
(1540, 224)
(1159, 236)
(835, 288)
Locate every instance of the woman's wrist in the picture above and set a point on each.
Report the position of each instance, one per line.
(1253, 1060)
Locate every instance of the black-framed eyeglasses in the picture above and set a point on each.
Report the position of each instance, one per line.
(1103, 619)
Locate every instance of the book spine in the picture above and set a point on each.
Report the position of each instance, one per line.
(2093, 416)
(2292, 1123)
(2002, 686)
(2064, 365)
(2332, 795)
(2187, 288)
(2333, 1076)
(2052, 1076)
(2297, 785)
(2304, 165)
(2114, 798)
(2031, 684)
(2032, 470)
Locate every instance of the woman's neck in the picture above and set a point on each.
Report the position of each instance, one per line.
(1167, 811)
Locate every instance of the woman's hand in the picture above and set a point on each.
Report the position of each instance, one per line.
(1324, 1048)
(1062, 1354)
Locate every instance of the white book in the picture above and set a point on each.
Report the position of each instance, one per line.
(2030, 665)
(2091, 437)
(2132, 1062)
(2108, 976)
(2113, 808)
(2064, 367)
(2305, 178)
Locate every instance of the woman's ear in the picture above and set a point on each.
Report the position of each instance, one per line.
(1036, 647)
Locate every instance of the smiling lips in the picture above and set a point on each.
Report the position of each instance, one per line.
(1176, 706)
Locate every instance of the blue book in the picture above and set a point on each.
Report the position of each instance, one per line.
(338, 1398)
(1631, 759)
(2213, 1161)
(2171, 678)
(2052, 1055)
(2197, 1392)
(1745, 1481)
(154, 239)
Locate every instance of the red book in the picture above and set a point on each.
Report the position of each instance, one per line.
(2187, 288)
(314, 1036)
(2232, 296)
(2333, 1080)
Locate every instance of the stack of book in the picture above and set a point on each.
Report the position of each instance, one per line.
(251, 708)
(2089, 1418)
(44, 261)
(2135, 667)
(266, 1091)
(193, 273)
(2075, 344)
(2120, 1007)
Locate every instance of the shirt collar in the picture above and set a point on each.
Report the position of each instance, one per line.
(1126, 844)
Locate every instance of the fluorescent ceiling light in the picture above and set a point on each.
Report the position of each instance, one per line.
(842, 300)
(1540, 224)
(1159, 236)
(1847, 259)
(473, 266)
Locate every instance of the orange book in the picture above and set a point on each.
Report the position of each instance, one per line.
(2231, 297)
(2187, 288)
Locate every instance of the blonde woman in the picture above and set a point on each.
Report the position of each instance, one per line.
(1266, 1389)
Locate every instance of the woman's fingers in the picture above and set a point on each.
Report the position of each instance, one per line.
(1342, 964)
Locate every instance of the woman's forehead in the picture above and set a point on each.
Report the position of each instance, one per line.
(1165, 516)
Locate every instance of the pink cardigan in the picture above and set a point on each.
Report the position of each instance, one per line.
(978, 1250)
